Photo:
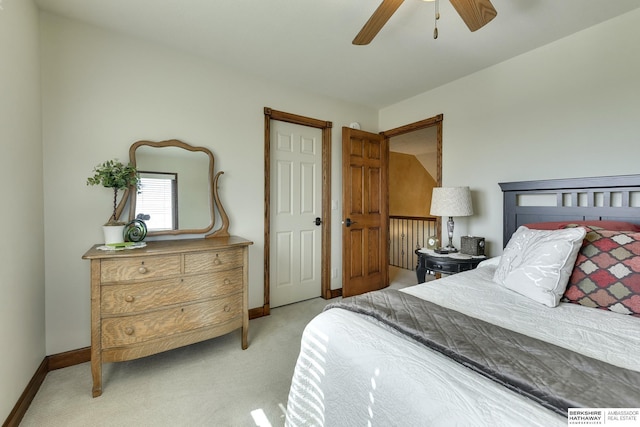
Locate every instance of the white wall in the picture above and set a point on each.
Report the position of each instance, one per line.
(22, 329)
(101, 93)
(568, 109)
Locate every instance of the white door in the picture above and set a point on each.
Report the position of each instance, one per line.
(296, 202)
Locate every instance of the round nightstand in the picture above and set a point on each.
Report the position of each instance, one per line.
(429, 261)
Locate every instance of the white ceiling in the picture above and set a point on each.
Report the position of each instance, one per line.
(307, 43)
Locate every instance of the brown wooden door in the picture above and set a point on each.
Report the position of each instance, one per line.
(364, 212)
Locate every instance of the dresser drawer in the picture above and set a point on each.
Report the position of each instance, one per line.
(124, 269)
(201, 262)
(135, 297)
(137, 328)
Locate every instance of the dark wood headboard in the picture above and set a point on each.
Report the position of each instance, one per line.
(614, 198)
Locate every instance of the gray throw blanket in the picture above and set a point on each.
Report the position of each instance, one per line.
(554, 377)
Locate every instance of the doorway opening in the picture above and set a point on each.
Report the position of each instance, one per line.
(271, 115)
(415, 167)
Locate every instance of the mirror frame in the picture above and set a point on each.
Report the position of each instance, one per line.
(212, 193)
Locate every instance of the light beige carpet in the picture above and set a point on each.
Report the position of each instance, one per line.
(214, 383)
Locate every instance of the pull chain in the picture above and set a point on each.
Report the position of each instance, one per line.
(435, 22)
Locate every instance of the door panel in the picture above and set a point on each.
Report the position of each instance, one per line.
(296, 192)
(374, 190)
(356, 250)
(357, 185)
(374, 252)
(284, 267)
(365, 212)
(307, 255)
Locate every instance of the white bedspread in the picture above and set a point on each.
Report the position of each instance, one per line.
(601, 334)
(353, 370)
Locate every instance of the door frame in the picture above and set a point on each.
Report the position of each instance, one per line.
(422, 124)
(325, 127)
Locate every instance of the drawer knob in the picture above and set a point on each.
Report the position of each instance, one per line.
(142, 269)
(217, 261)
(227, 308)
(129, 298)
(128, 330)
(227, 281)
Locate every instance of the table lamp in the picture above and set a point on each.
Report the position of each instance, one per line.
(450, 202)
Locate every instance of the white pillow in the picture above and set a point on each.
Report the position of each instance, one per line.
(494, 261)
(538, 263)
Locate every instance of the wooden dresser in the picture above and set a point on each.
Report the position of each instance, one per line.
(166, 295)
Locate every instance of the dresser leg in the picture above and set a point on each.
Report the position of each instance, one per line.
(96, 328)
(97, 380)
(96, 373)
(97, 392)
(245, 341)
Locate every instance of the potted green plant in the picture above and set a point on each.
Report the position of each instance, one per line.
(114, 174)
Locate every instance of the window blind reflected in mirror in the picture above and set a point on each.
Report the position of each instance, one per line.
(157, 200)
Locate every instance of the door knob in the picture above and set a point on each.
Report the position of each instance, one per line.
(348, 222)
(317, 221)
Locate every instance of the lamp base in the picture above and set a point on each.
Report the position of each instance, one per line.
(446, 250)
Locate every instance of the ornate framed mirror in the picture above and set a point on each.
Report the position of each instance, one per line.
(178, 189)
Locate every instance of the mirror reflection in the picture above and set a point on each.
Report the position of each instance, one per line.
(175, 194)
(157, 200)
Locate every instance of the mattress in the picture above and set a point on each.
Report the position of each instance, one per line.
(353, 370)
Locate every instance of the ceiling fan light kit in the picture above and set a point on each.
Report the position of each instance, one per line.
(475, 13)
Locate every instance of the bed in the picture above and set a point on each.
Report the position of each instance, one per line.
(480, 349)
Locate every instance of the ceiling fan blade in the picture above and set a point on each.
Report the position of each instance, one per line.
(475, 13)
(380, 17)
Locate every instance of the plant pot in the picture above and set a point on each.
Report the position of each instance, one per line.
(113, 234)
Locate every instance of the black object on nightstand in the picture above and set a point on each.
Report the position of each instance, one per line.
(429, 261)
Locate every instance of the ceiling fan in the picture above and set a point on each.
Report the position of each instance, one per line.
(475, 13)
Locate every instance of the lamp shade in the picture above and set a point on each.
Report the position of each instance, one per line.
(451, 201)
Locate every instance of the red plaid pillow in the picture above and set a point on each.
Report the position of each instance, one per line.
(607, 272)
